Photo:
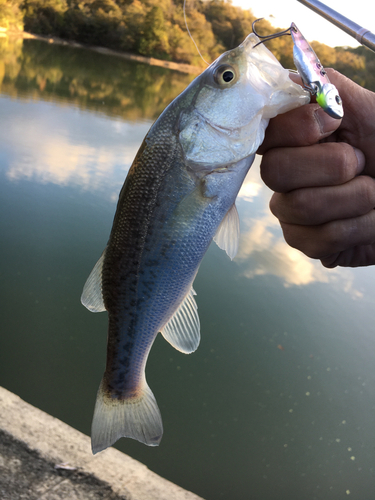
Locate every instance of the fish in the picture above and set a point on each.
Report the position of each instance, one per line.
(178, 196)
(314, 76)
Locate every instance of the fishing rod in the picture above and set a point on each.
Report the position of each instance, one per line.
(362, 35)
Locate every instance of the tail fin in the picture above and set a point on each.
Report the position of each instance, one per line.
(138, 418)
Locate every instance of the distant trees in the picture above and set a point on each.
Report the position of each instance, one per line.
(156, 28)
(11, 16)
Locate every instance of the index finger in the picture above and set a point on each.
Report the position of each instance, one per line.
(302, 126)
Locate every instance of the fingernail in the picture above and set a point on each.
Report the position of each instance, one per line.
(326, 123)
(360, 159)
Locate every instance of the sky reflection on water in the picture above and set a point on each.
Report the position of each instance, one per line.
(264, 249)
(59, 145)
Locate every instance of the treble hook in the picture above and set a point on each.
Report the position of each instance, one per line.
(269, 37)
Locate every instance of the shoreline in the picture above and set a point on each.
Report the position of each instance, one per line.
(183, 68)
(42, 457)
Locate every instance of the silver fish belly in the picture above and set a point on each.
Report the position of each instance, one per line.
(179, 195)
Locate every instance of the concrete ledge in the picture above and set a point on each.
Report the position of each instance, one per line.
(33, 442)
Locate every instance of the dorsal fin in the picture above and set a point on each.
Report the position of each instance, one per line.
(92, 296)
(183, 330)
(228, 233)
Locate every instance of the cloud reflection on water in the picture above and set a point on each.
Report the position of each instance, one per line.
(66, 146)
(271, 255)
(263, 249)
(69, 147)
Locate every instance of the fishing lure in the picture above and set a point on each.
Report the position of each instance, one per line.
(313, 75)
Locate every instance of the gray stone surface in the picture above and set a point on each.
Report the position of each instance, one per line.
(58, 464)
(25, 474)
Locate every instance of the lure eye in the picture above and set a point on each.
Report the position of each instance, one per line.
(338, 99)
(224, 75)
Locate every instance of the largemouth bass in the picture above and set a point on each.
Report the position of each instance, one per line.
(179, 195)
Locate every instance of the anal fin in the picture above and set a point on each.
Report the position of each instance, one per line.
(183, 330)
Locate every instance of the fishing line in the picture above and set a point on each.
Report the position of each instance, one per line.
(191, 36)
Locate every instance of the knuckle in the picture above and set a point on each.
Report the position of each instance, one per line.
(265, 168)
(299, 237)
(314, 249)
(315, 242)
(312, 132)
(342, 164)
(291, 235)
(296, 207)
(337, 236)
(332, 235)
(302, 206)
(270, 169)
(366, 192)
(331, 261)
(274, 204)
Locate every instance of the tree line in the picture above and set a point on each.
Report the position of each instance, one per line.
(156, 28)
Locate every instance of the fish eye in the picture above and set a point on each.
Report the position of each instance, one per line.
(228, 76)
(224, 75)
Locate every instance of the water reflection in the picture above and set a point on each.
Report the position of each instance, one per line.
(42, 144)
(50, 144)
(41, 139)
(263, 250)
(120, 88)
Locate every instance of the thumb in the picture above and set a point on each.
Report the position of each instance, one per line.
(303, 126)
(358, 125)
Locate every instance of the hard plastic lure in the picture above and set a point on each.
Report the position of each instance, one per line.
(314, 76)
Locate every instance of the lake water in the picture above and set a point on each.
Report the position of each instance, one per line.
(279, 400)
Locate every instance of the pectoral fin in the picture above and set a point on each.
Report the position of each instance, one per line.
(92, 296)
(228, 234)
(182, 330)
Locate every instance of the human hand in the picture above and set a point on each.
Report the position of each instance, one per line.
(323, 173)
